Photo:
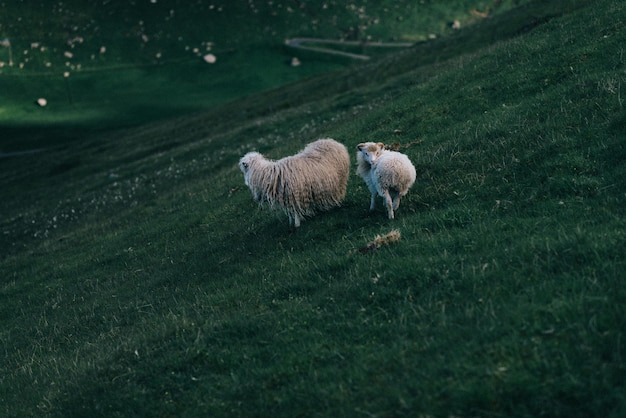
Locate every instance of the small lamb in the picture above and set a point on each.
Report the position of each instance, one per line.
(313, 180)
(388, 173)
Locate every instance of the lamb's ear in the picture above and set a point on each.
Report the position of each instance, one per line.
(360, 147)
(380, 145)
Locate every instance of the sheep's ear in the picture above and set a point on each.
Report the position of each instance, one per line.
(381, 145)
(360, 147)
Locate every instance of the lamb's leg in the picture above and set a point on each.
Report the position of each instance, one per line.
(373, 201)
(388, 203)
(396, 202)
(296, 220)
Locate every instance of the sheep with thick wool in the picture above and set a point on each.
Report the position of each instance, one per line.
(387, 173)
(313, 180)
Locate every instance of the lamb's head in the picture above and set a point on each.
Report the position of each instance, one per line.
(245, 164)
(370, 151)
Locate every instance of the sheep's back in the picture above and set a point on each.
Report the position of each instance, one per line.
(394, 170)
(329, 159)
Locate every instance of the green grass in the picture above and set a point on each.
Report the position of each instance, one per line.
(140, 279)
(120, 64)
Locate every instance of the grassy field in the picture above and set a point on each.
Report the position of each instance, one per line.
(140, 279)
(124, 63)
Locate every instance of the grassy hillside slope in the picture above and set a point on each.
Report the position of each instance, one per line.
(140, 279)
(123, 63)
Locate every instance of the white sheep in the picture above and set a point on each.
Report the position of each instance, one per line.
(313, 180)
(389, 174)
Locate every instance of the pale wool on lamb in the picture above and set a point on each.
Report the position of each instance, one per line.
(313, 180)
(389, 174)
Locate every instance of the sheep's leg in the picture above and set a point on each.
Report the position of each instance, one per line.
(373, 201)
(294, 219)
(388, 203)
(396, 201)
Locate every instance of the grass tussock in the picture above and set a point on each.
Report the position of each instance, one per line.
(381, 241)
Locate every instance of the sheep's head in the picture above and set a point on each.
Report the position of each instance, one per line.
(370, 151)
(246, 162)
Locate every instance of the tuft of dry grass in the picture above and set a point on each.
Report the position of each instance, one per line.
(381, 240)
(397, 146)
